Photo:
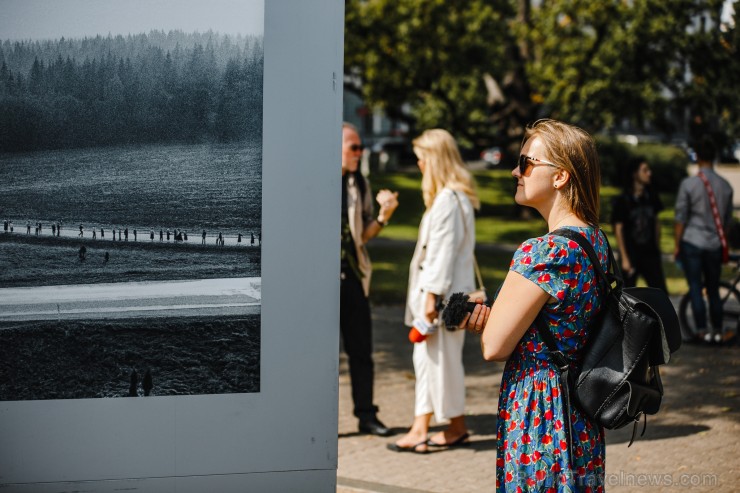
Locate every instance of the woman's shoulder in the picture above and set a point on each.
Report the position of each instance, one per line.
(556, 246)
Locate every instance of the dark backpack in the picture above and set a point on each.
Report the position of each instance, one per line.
(617, 381)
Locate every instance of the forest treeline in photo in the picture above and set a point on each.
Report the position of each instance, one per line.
(117, 90)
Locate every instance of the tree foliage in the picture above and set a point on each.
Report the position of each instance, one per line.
(484, 68)
(159, 87)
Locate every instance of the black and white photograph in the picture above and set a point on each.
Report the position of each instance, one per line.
(131, 198)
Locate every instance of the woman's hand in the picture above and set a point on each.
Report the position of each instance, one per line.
(476, 321)
(430, 308)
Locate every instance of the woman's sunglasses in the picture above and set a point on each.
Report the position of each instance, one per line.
(524, 163)
(355, 147)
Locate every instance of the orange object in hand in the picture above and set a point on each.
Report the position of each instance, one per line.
(420, 330)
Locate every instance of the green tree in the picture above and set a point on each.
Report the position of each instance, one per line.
(430, 55)
(484, 68)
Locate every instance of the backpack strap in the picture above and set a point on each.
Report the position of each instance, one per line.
(560, 360)
(615, 274)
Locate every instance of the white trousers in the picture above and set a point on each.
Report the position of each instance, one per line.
(440, 376)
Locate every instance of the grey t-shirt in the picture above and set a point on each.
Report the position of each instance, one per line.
(695, 212)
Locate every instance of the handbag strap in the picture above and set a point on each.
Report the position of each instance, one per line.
(478, 276)
(715, 214)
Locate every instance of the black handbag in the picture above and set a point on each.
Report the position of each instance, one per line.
(617, 380)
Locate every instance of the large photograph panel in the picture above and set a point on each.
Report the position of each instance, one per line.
(131, 169)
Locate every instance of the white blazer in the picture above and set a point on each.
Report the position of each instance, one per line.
(443, 257)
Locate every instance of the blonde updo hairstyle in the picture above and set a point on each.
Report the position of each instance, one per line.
(443, 166)
(572, 149)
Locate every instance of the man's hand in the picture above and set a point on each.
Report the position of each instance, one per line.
(388, 202)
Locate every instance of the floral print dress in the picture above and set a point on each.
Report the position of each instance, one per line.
(533, 453)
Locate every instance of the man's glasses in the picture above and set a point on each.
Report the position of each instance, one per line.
(524, 163)
(355, 147)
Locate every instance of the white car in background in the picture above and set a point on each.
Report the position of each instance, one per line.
(493, 156)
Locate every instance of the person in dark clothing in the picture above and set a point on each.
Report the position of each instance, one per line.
(359, 225)
(636, 226)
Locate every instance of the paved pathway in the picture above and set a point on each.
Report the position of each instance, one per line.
(694, 439)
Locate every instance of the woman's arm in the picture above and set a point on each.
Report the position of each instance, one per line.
(503, 325)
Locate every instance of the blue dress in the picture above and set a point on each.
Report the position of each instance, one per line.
(533, 453)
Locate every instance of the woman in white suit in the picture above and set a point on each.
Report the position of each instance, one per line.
(442, 264)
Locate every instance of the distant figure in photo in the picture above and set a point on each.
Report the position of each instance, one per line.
(106, 258)
(53, 229)
(95, 235)
(102, 233)
(203, 238)
(251, 241)
(147, 383)
(28, 227)
(239, 238)
(59, 229)
(134, 235)
(220, 240)
(82, 253)
(168, 234)
(185, 235)
(125, 234)
(151, 234)
(40, 228)
(5, 226)
(133, 383)
(82, 229)
(119, 234)
(161, 235)
(11, 226)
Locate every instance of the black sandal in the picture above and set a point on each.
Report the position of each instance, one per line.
(400, 448)
(460, 442)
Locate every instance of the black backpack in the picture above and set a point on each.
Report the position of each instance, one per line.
(617, 381)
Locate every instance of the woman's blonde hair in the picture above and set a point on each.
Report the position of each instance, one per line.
(443, 166)
(574, 150)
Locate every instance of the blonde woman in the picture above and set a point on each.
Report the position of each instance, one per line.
(442, 264)
(558, 174)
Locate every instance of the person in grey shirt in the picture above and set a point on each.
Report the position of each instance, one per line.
(698, 244)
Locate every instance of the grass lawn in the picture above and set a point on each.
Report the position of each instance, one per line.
(500, 227)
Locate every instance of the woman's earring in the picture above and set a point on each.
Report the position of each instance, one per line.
(556, 187)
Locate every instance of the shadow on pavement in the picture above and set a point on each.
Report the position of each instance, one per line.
(653, 432)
